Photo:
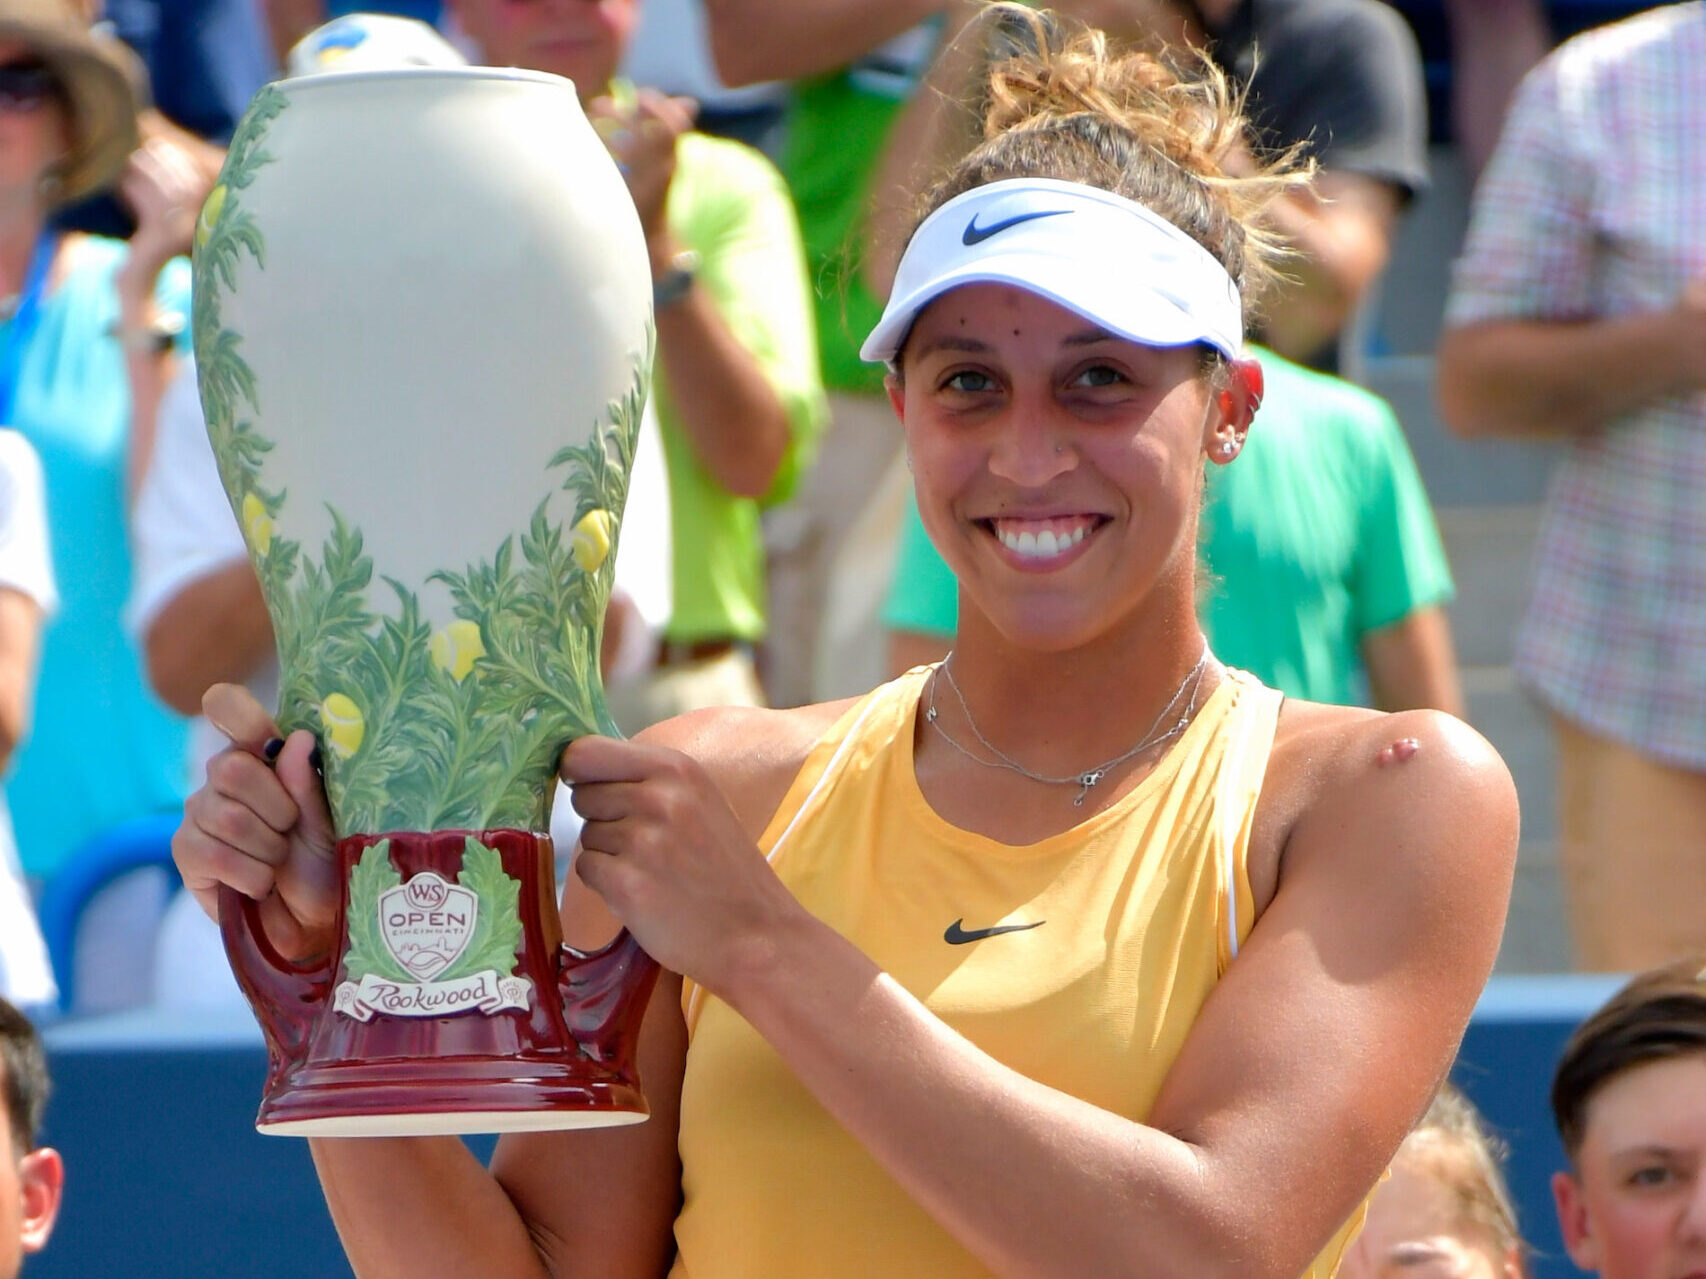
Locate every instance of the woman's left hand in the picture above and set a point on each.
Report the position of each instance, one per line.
(642, 140)
(164, 184)
(669, 857)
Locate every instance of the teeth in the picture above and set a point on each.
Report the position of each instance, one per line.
(1041, 544)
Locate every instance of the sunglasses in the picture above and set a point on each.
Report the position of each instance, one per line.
(25, 86)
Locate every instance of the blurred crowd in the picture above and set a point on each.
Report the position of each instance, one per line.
(774, 149)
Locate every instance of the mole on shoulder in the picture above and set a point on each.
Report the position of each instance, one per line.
(1404, 748)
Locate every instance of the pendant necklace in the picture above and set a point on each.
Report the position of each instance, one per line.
(1091, 776)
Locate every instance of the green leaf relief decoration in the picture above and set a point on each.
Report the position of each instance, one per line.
(457, 727)
(368, 953)
(497, 925)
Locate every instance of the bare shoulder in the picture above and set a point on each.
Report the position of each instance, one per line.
(753, 754)
(1344, 782)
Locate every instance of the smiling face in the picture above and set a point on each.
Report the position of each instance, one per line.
(1635, 1207)
(582, 40)
(1058, 468)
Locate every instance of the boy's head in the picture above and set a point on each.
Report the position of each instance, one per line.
(1629, 1097)
(31, 1177)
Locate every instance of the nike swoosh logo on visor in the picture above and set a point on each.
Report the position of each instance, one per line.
(956, 935)
(975, 234)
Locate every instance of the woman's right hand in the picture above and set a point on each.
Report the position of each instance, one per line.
(262, 827)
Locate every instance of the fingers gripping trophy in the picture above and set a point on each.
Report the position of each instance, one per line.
(423, 337)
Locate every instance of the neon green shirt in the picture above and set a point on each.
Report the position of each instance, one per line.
(837, 125)
(729, 204)
(1318, 533)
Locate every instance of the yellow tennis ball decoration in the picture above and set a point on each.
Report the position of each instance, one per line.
(589, 541)
(257, 523)
(210, 211)
(344, 724)
(456, 648)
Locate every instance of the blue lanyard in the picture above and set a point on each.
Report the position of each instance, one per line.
(25, 320)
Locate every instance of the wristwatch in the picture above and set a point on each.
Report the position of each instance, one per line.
(673, 283)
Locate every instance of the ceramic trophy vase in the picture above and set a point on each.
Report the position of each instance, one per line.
(423, 339)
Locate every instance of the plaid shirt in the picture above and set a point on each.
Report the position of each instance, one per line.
(1595, 206)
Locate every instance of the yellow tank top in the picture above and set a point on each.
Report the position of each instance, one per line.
(1117, 931)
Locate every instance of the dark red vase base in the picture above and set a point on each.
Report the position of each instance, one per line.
(464, 1097)
(566, 1061)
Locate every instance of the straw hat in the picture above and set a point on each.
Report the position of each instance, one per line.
(100, 77)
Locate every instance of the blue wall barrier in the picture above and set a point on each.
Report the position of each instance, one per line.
(167, 1178)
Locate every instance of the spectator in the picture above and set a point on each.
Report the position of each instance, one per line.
(87, 352)
(1127, 1049)
(1629, 1096)
(1444, 1211)
(32, 1177)
(1326, 575)
(27, 596)
(1578, 311)
(736, 386)
(1493, 44)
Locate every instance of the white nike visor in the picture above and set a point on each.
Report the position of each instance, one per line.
(1111, 260)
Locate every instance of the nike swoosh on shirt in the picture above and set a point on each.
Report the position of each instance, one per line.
(975, 234)
(958, 935)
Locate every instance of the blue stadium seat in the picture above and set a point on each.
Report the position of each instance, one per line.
(139, 844)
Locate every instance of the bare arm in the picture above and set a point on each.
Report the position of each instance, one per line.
(732, 415)
(1538, 378)
(1036, 1183)
(164, 184)
(20, 638)
(213, 631)
(1412, 664)
(734, 418)
(753, 40)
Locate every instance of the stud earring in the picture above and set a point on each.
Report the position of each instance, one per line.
(1228, 449)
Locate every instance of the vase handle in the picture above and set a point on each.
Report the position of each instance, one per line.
(604, 996)
(286, 996)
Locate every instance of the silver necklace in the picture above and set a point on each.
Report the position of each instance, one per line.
(1090, 776)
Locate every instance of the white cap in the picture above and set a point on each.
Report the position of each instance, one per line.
(1109, 259)
(371, 42)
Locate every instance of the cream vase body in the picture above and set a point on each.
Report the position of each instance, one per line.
(423, 338)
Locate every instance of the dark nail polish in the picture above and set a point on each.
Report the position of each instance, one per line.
(315, 759)
(270, 751)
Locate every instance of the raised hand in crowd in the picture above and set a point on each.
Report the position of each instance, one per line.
(164, 184)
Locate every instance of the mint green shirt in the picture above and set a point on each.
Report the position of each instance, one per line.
(1318, 533)
(729, 204)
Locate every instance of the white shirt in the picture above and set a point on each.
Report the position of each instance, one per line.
(26, 566)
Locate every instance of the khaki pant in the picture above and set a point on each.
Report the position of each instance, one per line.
(729, 680)
(1632, 852)
(830, 553)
